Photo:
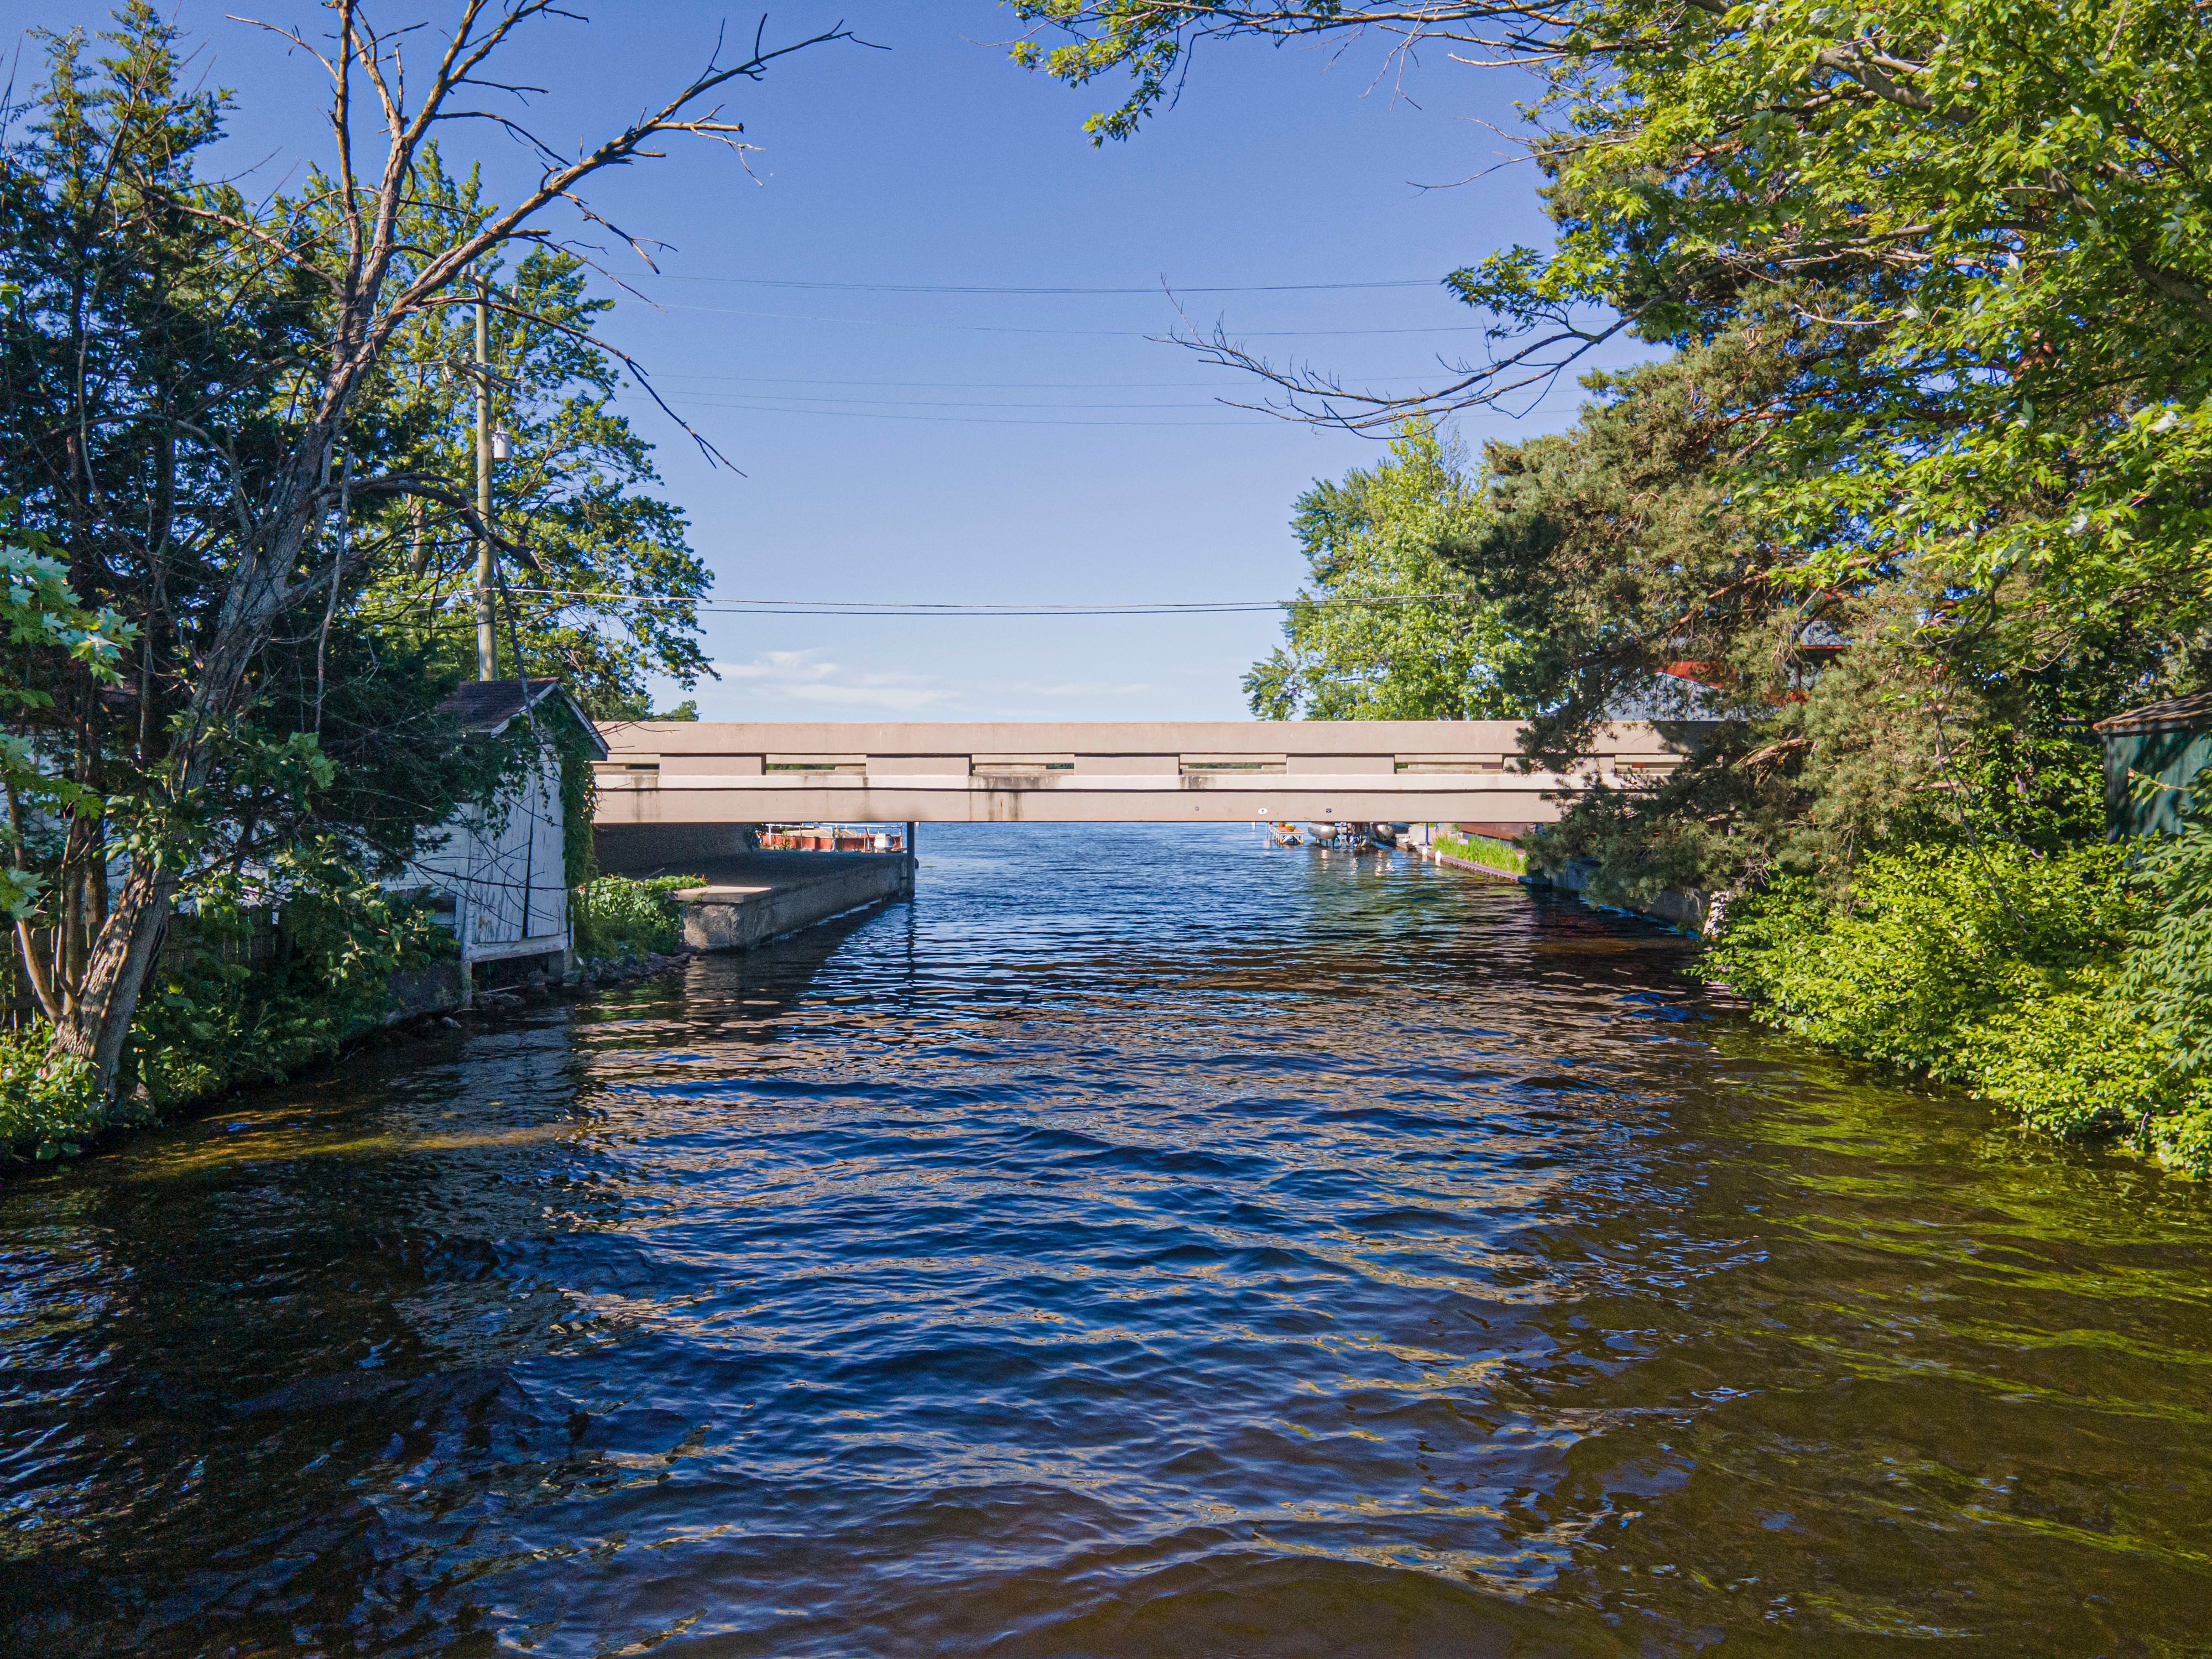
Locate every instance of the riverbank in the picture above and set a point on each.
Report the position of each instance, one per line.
(62, 1128)
(746, 901)
(2002, 971)
(1485, 855)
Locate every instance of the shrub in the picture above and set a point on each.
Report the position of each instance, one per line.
(47, 1106)
(625, 916)
(2168, 972)
(2075, 1061)
(211, 1022)
(2028, 978)
(1928, 943)
(2183, 1139)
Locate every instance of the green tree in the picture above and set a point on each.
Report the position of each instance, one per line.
(1942, 286)
(140, 380)
(1636, 575)
(1937, 283)
(206, 397)
(1985, 225)
(1615, 553)
(1386, 629)
(574, 497)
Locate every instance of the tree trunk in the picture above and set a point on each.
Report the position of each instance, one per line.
(117, 973)
(75, 920)
(122, 956)
(36, 973)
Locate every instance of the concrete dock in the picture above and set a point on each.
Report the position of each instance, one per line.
(750, 898)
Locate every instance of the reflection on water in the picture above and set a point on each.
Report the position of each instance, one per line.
(1148, 1243)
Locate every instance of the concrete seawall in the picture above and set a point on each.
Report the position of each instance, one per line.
(1680, 908)
(1471, 866)
(749, 901)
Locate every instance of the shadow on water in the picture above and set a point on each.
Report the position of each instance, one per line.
(1146, 1242)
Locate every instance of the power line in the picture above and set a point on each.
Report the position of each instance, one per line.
(1160, 287)
(1100, 333)
(951, 420)
(939, 385)
(912, 609)
(758, 607)
(891, 408)
(962, 386)
(955, 386)
(702, 397)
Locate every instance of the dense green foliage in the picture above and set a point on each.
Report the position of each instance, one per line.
(219, 1015)
(2169, 971)
(237, 438)
(2019, 974)
(213, 1020)
(1929, 943)
(624, 916)
(1387, 630)
(49, 1107)
(1915, 496)
(151, 365)
(41, 615)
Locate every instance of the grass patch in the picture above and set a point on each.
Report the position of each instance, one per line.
(1502, 856)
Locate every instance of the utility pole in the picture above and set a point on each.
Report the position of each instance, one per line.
(487, 642)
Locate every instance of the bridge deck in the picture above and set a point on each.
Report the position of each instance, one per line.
(716, 772)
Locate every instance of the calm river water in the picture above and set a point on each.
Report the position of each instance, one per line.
(1148, 1243)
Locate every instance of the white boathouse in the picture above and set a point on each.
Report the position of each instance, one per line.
(498, 873)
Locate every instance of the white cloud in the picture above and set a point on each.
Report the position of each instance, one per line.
(1083, 689)
(802, 676)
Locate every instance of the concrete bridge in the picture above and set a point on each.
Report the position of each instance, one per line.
(666, 785)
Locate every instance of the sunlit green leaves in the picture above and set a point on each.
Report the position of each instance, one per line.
(1387, 630)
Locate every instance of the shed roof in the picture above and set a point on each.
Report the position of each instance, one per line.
(2189, 714)
(1821, 634)
(490, 706)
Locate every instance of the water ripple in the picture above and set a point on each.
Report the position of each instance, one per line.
(1146, 1242)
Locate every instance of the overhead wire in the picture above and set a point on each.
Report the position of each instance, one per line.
(958, 420)
(704, 397)
(948, 610)
(1061, 290)
(1155, 288)
(895, 409)
(953, 386)
(918, 608)
(1099, 333)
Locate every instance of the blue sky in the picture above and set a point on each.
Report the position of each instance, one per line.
(988, 447)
